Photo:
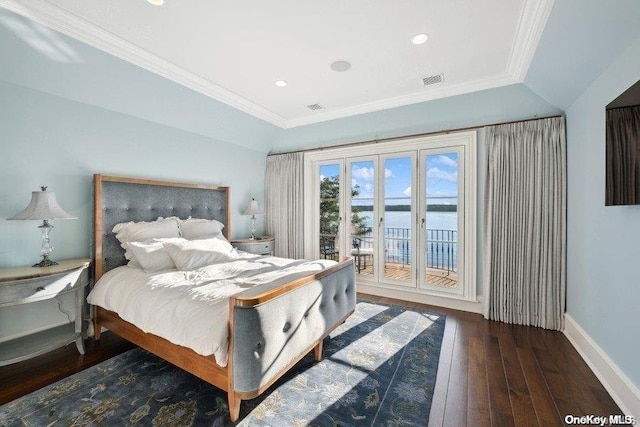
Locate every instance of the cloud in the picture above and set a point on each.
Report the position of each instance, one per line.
(407, 191)
(447, 161)
(363, 173)
(368, 190)
(368, 174)
(440, 174)
(440, 194)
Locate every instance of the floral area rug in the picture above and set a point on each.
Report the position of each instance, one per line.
(379, 370)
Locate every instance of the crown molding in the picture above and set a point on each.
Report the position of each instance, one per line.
(533, 20)
(73, 26)
(503, 79)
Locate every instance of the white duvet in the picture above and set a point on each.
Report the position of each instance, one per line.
(191, 308)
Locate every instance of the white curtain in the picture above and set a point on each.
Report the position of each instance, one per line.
(284, 203)
(525, 223)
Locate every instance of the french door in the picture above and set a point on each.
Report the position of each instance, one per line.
(406, 217)
(398, 216)
(381, 210)
(330, 209)
(442, 219)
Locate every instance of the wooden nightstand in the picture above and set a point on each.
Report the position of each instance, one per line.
(30, 284)
(260, 246)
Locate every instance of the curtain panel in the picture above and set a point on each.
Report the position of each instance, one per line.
(623, 156)
(284, 203)
(525, 223)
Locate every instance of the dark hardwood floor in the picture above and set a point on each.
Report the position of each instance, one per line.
(22, 378)
(489, 374)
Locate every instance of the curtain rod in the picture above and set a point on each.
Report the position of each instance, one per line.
(416, 135)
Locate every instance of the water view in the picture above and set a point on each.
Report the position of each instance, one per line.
(440, 238)
(402, 219)
(439, 180)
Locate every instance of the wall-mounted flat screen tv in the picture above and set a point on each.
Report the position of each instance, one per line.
(623, 148)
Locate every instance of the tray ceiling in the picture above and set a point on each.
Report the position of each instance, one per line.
(235, 52)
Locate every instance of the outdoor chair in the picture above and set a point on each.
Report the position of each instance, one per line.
(328, 247)
(360, 254)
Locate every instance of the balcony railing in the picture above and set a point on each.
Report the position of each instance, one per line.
(441, 247)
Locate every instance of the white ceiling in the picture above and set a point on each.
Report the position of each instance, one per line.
(235, 51)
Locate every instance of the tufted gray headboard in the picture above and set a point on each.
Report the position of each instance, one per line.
(120, 199)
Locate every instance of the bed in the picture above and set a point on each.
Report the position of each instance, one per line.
(270, 327)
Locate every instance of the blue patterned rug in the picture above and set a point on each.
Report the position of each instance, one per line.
(379, 369)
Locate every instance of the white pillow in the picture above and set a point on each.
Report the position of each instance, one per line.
(196, 228)
(145, 231)
(152, 256)
(192, 254)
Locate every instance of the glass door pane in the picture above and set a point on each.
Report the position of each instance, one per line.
(399, 220)
(330, 210)
(362, 215)
(441, 222)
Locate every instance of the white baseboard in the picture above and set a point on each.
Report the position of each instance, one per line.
(619, 386)
(422, 298)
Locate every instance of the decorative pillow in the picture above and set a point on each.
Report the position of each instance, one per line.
(145, 231)
(192, 254)
(196, 228)
(152, 256)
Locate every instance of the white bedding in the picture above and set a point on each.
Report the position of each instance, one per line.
(191, 308)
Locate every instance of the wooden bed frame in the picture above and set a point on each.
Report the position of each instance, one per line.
(205, 367)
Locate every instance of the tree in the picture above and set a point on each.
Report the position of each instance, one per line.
(329, 205)
(358, 223)
(330, 209)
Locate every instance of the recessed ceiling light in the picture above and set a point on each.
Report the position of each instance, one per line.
(156, 2)
(281, 83)
(340, 66)
(420, 38)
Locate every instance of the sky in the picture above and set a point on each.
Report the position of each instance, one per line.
(441, 179)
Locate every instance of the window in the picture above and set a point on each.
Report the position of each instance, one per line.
(404, 210)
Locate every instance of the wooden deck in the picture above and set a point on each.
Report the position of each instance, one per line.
(436, 277)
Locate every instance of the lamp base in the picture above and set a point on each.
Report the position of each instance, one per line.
(46, 262)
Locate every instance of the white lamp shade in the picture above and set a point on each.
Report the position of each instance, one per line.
(253, 208)
(43, 206)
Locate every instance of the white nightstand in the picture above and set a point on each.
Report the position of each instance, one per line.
(260, 246)
(30, 284)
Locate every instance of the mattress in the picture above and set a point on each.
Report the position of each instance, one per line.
(191, 308)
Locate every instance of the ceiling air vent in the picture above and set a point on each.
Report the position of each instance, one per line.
(314, 107)
(431, 80)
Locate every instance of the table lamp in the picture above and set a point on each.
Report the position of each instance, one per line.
(43, 206)
(253, 209)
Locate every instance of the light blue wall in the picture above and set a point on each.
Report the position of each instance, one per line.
(580, 40)
(62, 143)
(504, 104)
(37, 57)
(68, 111)
(515, 102)
(603, 277)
